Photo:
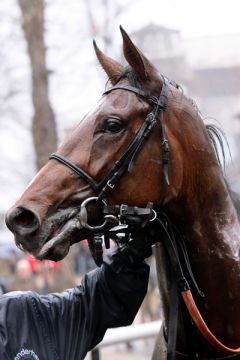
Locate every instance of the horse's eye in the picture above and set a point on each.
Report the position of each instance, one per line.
(112, 125)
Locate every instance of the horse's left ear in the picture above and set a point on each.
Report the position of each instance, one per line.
(111, 67)
(140, 64)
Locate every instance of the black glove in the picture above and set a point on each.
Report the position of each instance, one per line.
(138, 248)
(130, 255)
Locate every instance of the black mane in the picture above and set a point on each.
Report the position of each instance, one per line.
(130, 75)
(217, 138)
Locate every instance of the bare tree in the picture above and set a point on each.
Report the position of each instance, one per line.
(103, 28)
(44, 126)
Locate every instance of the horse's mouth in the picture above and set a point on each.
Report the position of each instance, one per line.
(55, 236)
(58, 232)
(56, 246)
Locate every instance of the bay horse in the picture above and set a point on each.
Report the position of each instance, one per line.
(144, 148)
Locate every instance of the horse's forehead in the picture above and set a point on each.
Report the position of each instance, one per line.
(120, 101)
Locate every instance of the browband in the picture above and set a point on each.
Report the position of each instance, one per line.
(160, 101)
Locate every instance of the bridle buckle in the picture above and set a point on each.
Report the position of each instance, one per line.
(110, 185)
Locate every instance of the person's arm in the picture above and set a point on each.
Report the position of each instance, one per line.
(69, 324)
(108, 297)
(120, 290)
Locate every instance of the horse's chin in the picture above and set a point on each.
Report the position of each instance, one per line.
(56, 251)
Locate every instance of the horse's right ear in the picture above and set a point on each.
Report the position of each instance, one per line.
(141, 65)
(111, 67)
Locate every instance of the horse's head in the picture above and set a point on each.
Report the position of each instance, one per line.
(118, 128)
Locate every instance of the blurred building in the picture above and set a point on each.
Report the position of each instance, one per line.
(208, 69)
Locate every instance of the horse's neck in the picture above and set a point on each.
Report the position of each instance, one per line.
(212, 233)
(213, 238)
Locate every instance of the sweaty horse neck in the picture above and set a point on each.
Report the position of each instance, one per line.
(212, 234)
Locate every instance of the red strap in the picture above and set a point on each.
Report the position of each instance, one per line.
(201, 325)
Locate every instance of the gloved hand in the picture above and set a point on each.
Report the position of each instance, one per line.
(138, 248)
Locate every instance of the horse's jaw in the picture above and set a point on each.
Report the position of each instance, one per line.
(58, 243)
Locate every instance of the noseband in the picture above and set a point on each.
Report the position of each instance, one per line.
(126, 161)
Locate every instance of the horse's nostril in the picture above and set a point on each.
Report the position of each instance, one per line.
(25, 218)
(22, 221)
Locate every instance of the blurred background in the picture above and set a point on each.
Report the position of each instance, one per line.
(50, 78)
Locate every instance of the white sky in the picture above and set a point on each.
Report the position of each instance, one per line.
(209, 17)
(193, 18)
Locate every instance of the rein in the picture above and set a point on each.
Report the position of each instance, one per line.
(127, 218)
(184, 279)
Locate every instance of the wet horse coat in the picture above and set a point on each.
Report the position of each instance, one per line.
(196, 200)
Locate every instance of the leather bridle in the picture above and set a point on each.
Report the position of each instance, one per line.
(126, 161)
(175, 248)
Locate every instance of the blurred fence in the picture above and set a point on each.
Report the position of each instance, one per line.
(126, 334)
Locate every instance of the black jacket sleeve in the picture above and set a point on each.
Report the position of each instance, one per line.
(67, 325)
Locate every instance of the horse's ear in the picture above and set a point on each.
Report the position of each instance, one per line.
(111, 67)
(136, 59)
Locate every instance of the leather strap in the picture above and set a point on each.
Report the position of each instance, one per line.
(173, 321)
(80, 172)
(180, 264)
(129, 88)
(202, 327)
